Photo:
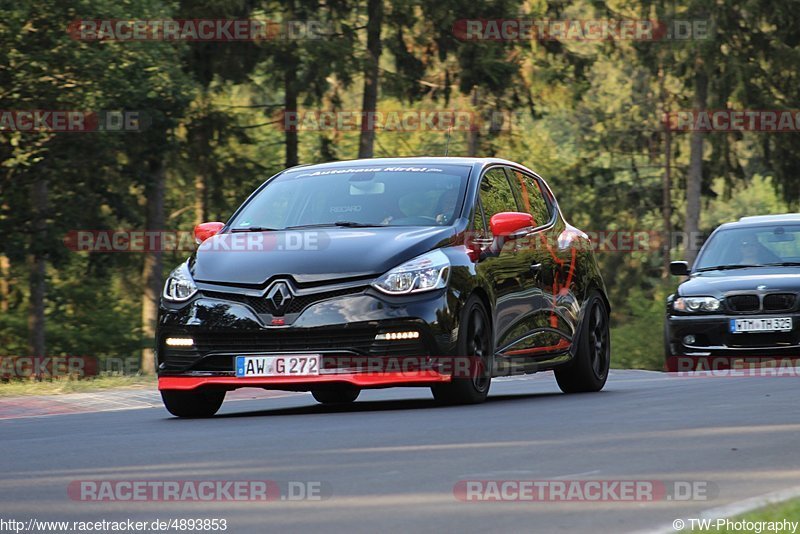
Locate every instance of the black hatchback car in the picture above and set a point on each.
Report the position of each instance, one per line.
(332, 278)
(742, 297)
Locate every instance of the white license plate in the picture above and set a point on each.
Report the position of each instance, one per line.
(776, 324)
(289, 365)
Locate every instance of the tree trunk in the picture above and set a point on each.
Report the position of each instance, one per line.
(5, 274)
(666, 192)
(152, 270)
(37, 264)
(201, 147)
(474, 134)
(369, 104)
(694, 180)
(200, 198)
(290, 105)
(291, 64)
(666, 200)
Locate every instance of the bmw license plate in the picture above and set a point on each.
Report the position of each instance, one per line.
(289, 365)
(775, 324)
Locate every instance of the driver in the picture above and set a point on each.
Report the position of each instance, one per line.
(752, 252)
(442, 213)
(446, 205)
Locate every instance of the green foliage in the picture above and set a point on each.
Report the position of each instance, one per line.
(76, 326)
(637, 339)
(773, 513)
(755, 197)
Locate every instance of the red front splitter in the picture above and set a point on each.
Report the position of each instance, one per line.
(360, 380)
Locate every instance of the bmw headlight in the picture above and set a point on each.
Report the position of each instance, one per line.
(696, 304)
(179, 287)
(423, 273)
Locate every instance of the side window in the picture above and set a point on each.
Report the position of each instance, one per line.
(495, 193)
(478, 225)
(531, 197)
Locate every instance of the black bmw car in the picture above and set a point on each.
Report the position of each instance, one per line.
(435, 272)
(742, 297)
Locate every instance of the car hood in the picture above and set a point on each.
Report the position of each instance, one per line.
(312, 255)
(718, 283)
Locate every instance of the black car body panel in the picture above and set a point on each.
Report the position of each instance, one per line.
(347, 252)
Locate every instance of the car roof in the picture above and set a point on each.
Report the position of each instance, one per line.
(416, 160)
(761, 220)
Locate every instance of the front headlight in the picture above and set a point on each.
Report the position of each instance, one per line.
(423, 273)
(179, 287)
(695, 304)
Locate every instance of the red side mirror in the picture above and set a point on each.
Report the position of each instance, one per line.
(510, 222)
(205, 230)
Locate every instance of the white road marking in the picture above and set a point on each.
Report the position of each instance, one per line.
(573, 475)
(111, 401)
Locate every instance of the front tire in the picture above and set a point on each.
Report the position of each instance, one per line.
(192, 404)
(588, 371)
(336, 396)
(475, 343)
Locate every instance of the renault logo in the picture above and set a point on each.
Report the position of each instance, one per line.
(279, 295)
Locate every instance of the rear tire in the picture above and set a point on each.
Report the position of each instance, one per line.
(192, 403)
(475, 342)
(588, 371)
(336, 396)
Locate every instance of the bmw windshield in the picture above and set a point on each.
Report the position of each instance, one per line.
(748, 246)
(375, 195)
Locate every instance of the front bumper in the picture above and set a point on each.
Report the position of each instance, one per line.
(340, 328)
(713, 337)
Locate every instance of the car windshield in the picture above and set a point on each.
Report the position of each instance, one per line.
(751, 246)
(374, 195)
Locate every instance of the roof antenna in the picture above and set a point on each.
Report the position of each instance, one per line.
(447, 146)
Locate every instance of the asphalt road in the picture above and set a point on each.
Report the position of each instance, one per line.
(390, 462)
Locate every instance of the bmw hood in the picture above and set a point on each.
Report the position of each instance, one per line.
(718, 283)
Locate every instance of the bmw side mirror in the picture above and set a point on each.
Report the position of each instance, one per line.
(679, 268)
(205, 230)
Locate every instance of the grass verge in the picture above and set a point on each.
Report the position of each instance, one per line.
(17, 388)
(758, 521)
